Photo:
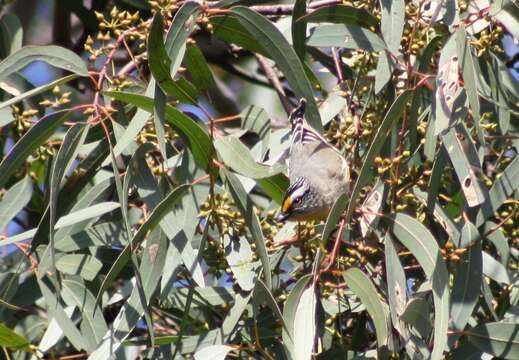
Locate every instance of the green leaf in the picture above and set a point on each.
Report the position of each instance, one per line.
(275, 187)
(12, 340)
(36, 136)
(183, 24)
(363, 287)
(440, 214)
(196, 138)
(256, 120)
(241, 262)
(392, 23)
(53, 55)
(417, 313)
(299, 28)
(230, 30)
(213, 352)
(497, 237)
(11, 33)
(234, 315)
(80, 211)
(396, 285)
(305, 324)
(67, 152)
(14, 200)
(290, 309)
(495, 270)
(160, 64)
(137, 122)
(346, 36)
(56, 310)
(499, 339)
(466, 289)
(332, 106)
(162, 209)
(384, 71)
(284, 56)
(159, 115)
(246, 208)
(464, 158)
(179, 225)
(505, 185)
(237, 156)
(366, 173)
(203, 297)
(261, 292)
(90, 212)
(449, 99)
(37, 90)
(198, 68)
(93, 324)
(85, 266)
(341, 14)
(469, 71)
(469, 235)
(424, 248)
(150, 271)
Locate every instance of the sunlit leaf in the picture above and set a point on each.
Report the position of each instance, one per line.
(53, 55)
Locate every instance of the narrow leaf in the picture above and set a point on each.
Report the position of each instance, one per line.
(341, 14)
(53, 55)
(465, 292)
(305, 326)
(193, 134)
(213, 352)
(14, 200)
(244, 204)
(423, 246)
(346, 36)
(86, 266)
(363, 287)
(285, 57)
(12, 340)
(37, 90)
(238, 157)
(499, 339)
(29, 142)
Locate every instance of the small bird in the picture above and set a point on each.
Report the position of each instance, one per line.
(318, 172)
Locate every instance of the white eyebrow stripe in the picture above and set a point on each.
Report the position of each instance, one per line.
(298, 189)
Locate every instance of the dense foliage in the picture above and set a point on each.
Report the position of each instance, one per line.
(140, 186)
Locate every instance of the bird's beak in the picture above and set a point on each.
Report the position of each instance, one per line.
(282, 217)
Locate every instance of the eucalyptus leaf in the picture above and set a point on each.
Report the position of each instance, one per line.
(500, 339)
(193, 134)
(32, 139)
(284, 55)
(86, 266)
(14, 200)
(362, 286)
(305, 324)
(346, 36)
(237, 156)
(424, 247)
(53, 55)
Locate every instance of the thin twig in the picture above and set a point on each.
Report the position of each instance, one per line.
(336, 62)
(335, 250)
(274, 80)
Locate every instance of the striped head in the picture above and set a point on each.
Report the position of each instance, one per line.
(295, 200)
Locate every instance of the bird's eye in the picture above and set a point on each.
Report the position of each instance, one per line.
(297, 201)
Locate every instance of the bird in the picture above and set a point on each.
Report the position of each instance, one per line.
(318, 173)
